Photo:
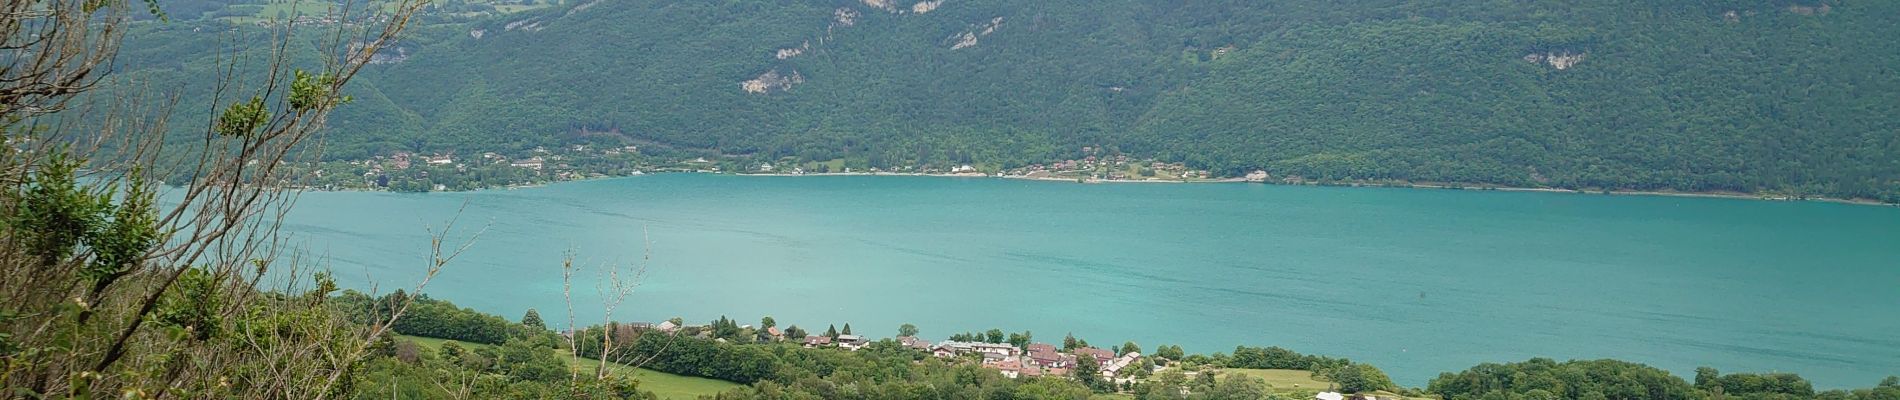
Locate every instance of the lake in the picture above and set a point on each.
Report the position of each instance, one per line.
(1414, 281)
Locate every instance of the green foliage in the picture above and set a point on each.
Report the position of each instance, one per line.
(192, 305)
(726, 328)
(532, 319)
(1236, 388)
(1358, 378)
(516, 369)
(1170, 352)
(1021, 340)
(1777, 384)
(907, 330)
(526, 360)
(243, 119)
(431, 318)
(1089, 372)
(1596, 379)
(310, 92)
(57, 215)
(1280, 358)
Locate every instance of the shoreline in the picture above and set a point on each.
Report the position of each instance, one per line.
(1395, 185)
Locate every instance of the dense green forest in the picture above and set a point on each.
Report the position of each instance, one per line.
(1794, 97)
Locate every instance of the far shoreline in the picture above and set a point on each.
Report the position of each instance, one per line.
(1392, 185)
(1396, 185)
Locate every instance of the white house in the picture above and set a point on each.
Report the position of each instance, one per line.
(1116, 365)
(852, 342)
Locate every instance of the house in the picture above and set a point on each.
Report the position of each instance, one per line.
(775, 333)
(668, 327)
(1011, 368)
(993, 358)
(441, 160)
(532, 163)
(1101, 356)
(1329, 396)
(1116, 365)
(1045, 355)
(817, 341)
(996, 348)
(1030, 370)
(952, 348)
(853, 342)
(913, 342)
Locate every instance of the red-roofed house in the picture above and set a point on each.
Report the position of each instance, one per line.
(1101, 355)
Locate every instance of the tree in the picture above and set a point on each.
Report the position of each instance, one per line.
(1359, 378)
(795, 333)
(1069, 342)
(993, 336)
(121, 286)
(452, 350)
(1130, 347)
(767, 323)
(907, 330)
(832, 331)
(524, 360)
(1089, 373)
(532, 319)
(1020, 340)
(1706, 377)
(1204, 381)
(1237, 387)
(847, 328)
(1170, 352)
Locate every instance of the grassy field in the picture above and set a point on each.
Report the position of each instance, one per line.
(1292, 380)
(515, 8)
(667, 386)
(293, 9)
(1283, 380)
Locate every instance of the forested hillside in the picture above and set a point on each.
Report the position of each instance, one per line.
(1773, 96)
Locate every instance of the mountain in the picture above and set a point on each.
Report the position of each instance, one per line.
(1762, 96)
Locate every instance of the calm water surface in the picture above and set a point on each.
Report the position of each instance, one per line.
(1415, 281)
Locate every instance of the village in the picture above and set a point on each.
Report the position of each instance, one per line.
(404, 171)
(1121, 367)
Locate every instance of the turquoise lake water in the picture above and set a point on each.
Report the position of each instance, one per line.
(1417, 282)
